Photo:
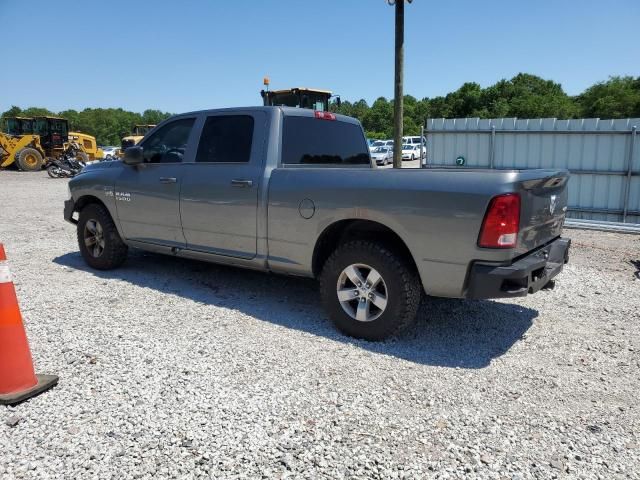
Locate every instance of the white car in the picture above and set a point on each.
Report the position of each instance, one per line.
(376, 144)
(110, 152)
(410, 152)
(382, 155)
(414, 140)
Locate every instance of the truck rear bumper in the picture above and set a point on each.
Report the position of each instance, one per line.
(527, 274)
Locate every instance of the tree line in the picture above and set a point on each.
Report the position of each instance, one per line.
(108, 125)
(523, 96)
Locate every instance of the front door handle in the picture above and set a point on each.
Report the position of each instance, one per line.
(168, 179)
(241, 183)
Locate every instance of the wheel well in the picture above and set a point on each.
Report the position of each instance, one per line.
(347, 230)
(86, 200)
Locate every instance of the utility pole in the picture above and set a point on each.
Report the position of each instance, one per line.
(398, 109)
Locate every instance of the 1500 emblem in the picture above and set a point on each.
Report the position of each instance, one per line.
(123, 196)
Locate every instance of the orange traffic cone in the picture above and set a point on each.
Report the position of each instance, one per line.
(18, 382)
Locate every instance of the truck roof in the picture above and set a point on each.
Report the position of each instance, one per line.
(288, 111)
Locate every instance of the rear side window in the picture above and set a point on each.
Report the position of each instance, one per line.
(168, 144)
(226, 139)
(312, 141)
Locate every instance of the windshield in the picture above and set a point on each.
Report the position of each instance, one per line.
(18, 126)
(41, 127)
(141, 130)
(377, 143)
(381, 150)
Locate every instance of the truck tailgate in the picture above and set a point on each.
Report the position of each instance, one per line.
(543, 209)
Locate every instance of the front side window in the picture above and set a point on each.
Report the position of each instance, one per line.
(313, 141)
(41, 127)
(226, 139)
(168, 144)
(13, 127)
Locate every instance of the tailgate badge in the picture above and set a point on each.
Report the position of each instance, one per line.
(552, 204)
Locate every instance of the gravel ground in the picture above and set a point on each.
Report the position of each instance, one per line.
(172, 368)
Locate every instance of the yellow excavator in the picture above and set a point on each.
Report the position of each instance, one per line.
(137, 133)
(24, 150)
(28, 142)
(301, 97)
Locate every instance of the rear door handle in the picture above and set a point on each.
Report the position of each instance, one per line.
(241, 183)
(168, 179)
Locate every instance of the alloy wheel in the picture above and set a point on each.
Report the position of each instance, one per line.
(362, 292)
(94, 237)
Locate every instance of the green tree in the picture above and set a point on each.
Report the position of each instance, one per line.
(618, 97)
(12, 112)
(38, 112)
(154, 117)
(379, 118)
(527, 96)
(523, 96)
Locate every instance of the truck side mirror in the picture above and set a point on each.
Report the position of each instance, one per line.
(133, 155)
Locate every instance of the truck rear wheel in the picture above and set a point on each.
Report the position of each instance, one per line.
(98, 238)
(29, 159)
(369, 290)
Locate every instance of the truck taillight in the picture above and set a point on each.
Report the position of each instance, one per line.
(325, 115)
(501, 222)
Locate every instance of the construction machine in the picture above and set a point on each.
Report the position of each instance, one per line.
(18, 125)
(301, 97)
(137, 133)
(89, 150)
(53, 138)
(24, 150)
(53, 132)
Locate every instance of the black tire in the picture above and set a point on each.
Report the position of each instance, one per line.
(29, 159)
(52, 171)
(113, 252)
(402, 283)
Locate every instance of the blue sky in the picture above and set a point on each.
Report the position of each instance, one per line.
(194, 54)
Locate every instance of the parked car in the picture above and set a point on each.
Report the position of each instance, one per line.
(110, 152)
(376, 144)
(382, 155)
(294, 191)
(414, 140)
(410, 152)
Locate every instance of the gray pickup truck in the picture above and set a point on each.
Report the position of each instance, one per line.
(294, 191)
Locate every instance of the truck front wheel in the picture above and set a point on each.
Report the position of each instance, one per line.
(369, 290)
(98, 238)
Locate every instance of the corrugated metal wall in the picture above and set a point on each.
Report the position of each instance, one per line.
(602, 155)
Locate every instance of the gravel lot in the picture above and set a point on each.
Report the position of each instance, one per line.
(173, 368)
